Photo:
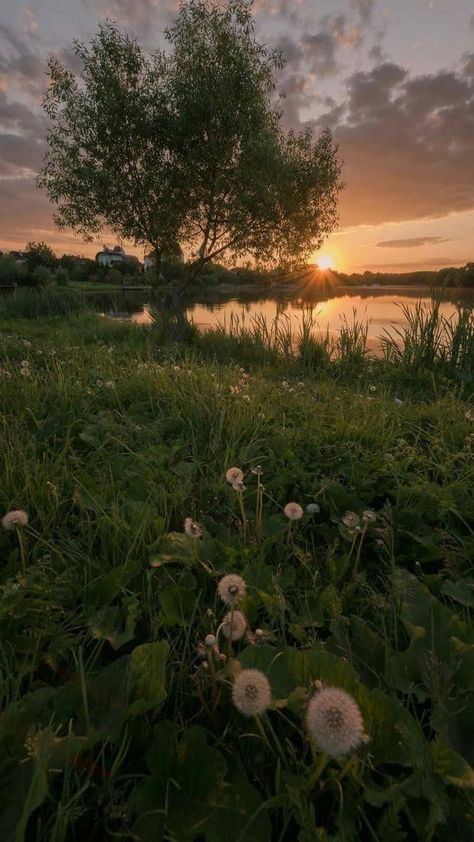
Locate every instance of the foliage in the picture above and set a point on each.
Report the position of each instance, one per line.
(186, 145)
(12, 273)
(39, 255)
(112, 723)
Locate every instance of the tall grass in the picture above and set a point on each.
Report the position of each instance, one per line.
(430, 339)
(26, 303)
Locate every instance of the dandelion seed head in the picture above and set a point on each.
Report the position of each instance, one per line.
(251, 693)
(313, 508)
(334, 721)
(469, 415)
(257, 470)
(16, 519)
(369, 516)
(351, 520)
(192, 528)
(234, 625)
(210, 640)
(293, 511)
(234, 475)
(232, 589)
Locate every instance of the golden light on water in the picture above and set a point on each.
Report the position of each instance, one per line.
(325, 261)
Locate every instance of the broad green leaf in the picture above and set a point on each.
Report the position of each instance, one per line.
(147, 665)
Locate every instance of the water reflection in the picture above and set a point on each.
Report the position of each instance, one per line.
(380, 307)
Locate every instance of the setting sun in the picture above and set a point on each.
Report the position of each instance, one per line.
(325, 262)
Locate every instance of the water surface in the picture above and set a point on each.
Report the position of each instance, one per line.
(380, 307)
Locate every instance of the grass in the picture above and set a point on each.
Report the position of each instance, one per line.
(117, 719)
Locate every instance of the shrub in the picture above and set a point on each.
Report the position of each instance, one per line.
(62, 277)
(11, 272)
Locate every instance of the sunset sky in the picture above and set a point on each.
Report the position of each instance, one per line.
(393, 79)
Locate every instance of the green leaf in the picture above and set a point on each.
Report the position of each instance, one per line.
(177, 604)
(147, 665)
(451, 766)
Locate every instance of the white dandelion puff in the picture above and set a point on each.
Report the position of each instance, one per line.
(369, 516)
(313, 508)
(293, 511)
(234, 475)
(334, 721)
(351, 520)
(251, 693)
(16, 519)
(234, 625)
(191, 528)
(232, 589)
(210, 640)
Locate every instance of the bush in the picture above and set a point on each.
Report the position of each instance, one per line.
(33, 303)
(62, 277)
(11, 272)
(41, 276)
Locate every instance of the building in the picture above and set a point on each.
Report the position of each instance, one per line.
(19, 256)
(116, 257)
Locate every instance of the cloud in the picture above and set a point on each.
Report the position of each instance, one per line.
(20, 62)
(406, 142)
(364, 8)
(140, 15)
(411, 242)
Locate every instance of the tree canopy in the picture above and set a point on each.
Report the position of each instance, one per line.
(187, 144)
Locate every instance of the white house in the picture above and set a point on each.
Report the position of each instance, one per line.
(114, 257)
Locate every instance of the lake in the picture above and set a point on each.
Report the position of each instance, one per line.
(380, 307)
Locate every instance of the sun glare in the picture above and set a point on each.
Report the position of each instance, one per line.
(325, 262)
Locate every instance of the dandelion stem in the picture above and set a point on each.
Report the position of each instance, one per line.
(359, 548)
(21, 548)
(317, 772)
(242, 511)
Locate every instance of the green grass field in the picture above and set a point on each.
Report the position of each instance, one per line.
(119, 719)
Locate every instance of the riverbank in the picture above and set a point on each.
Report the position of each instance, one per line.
(110, 439)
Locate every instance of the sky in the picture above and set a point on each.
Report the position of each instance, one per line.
(392, 79)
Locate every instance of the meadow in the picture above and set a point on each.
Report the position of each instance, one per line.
(128, 708)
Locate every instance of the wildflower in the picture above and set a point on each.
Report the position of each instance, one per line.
(234, 625)
(469, 415)
(334, 721)
(293, 511)
(109, 384)
(210, 640)
(369, 516)
(351, 520)
(372, 388)
(234, 475)
(25, 371)
(192, 528)
(251, 693)
(313, 508)
(232, 589)
(16, 519)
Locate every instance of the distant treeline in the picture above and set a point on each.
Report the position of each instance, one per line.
(451, 276)
(38, 266)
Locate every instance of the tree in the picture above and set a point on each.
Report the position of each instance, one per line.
(187, 146)
(39, 254)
